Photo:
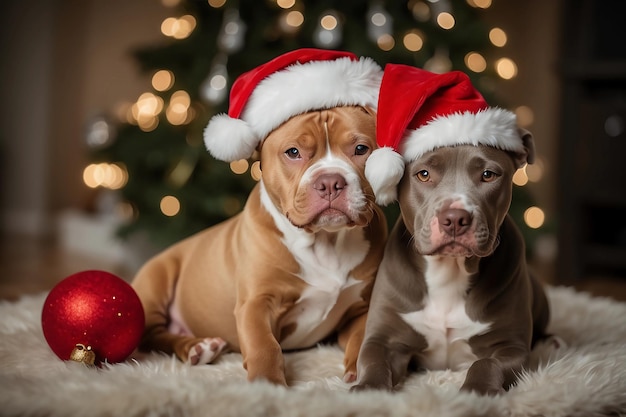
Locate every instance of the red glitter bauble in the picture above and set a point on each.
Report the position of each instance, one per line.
(97, 310)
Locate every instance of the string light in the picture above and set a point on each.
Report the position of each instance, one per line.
(291, 21)
(520, 178)
(178, 28)
(506, 68)
(534, 217)
(145, 111)
(240, 166)
(378, 19)
(163, 80)
(445, 20)
(498, 37)
(213, 89)
(535, 171)
(386, 42)
(475, 62)
(481, 4)
(328, 33)
(285, 4)
(100, 132)
(178, 108)
(525, 116)
(111, 176)
(169, 205)
(329, 22)
(255, 170)
(413, 40)
(420, 10)
(217, 3)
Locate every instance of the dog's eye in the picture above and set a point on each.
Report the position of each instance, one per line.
(489, 176)
(361, 149)
(423, 175)
(292, 153)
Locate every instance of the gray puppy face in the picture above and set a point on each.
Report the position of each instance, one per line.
(466, 185)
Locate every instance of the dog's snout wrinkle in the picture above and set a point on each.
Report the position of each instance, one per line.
(455, 222)
(329, 186)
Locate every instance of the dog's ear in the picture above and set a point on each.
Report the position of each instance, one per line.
(528, 156)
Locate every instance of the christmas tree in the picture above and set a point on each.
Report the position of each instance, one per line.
(170, 185)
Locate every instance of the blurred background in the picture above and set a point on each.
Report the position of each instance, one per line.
(104, 102)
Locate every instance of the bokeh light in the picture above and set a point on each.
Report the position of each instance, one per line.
(163, 80)
(240, 166)
(534, 217)
(386, 42)
(445, 20)
(475, 62)
(170, 206)
(497, 37)
(520, 178)
(525, 116)
(413, 40)
(506, 68)
(107, 175)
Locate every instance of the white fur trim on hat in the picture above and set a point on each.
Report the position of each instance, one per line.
(315, 85)
(384, 169)
(492, 127)
(297, 89)
(229, 139)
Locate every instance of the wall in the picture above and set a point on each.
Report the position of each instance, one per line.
(533, 29)
(63, 61)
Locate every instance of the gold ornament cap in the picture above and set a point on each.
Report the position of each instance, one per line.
(83, 354)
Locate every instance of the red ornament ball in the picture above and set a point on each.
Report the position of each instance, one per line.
(97, 310)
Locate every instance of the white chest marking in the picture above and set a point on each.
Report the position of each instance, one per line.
(326, 259)
(443, 320)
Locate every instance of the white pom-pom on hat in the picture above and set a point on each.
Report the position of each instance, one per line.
(240, 143)
(384, 169)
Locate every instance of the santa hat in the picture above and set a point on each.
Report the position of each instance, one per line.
(419, 111)
(294, 83)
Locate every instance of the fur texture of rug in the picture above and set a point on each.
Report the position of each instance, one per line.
(585, 376)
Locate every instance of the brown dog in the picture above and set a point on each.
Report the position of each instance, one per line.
(295, 265)
(453, 290)
(298, 264)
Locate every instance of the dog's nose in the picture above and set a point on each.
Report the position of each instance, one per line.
(454, 222)
(329, 186)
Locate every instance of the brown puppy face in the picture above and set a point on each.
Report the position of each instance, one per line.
(315, 163)
(454, 199)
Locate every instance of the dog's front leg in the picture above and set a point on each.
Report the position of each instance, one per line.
(256, 329)
(380, 366)
(494, 374)
(350, 339)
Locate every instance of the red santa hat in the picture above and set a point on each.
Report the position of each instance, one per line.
(419, 111)
(293, 83)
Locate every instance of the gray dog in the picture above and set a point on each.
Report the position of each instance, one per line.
(453, 290)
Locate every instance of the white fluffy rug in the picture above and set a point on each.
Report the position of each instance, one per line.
(585, 378)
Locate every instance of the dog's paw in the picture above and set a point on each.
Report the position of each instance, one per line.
(369, 387)
(545, 350)
(349, 377)
(206, 351)
(483, 388)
